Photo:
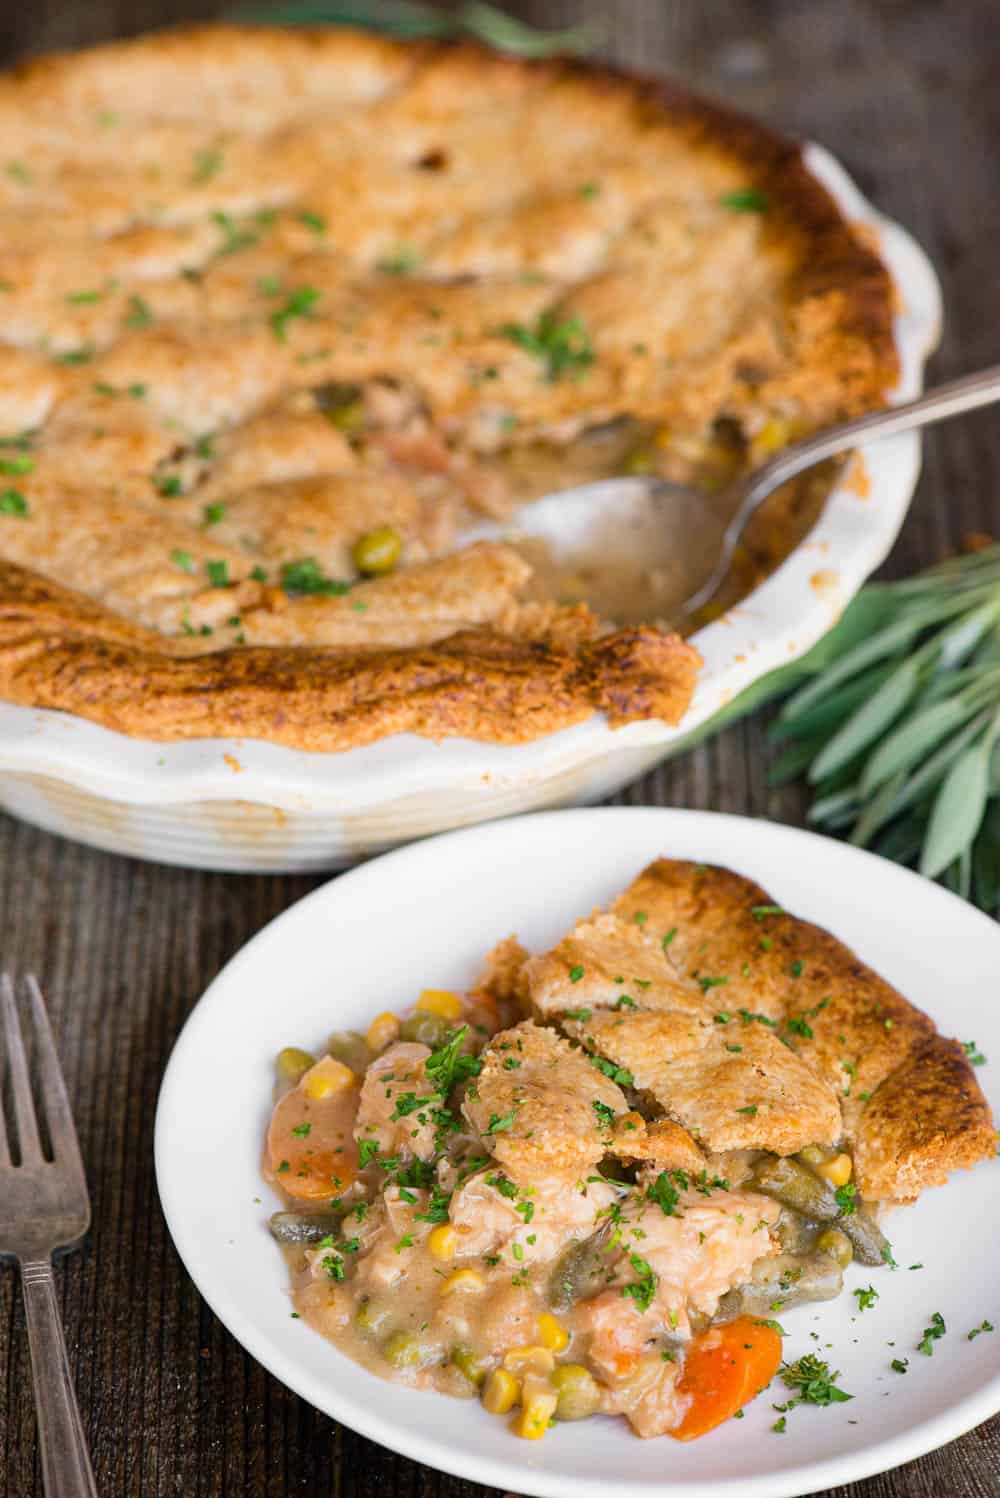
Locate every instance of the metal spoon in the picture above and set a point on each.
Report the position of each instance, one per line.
(644, 526)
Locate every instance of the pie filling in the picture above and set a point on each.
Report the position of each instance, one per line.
(585, 1187)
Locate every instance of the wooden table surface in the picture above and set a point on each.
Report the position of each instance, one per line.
(905, 92)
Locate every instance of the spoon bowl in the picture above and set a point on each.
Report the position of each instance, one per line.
(643, 548)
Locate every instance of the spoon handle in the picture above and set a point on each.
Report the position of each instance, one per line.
(950, 399)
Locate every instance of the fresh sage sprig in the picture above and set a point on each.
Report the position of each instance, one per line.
(412, 18)
(898, 729)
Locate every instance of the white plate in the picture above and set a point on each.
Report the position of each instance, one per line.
(252, 806)
(424, 917)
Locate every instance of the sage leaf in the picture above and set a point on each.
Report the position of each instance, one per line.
(914, 739)
(871, 719)
(958, 809)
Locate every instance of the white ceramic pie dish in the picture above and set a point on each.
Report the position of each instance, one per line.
(426, 915)
(251, 806)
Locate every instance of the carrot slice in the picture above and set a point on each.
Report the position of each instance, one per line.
(310, 1143)
(724, 1369)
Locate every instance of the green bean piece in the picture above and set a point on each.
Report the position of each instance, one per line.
(303, 1227)
(796, 1186)
(378, 551)
(291, 1065)
(351, 1048)
(428, 1029)
(580, 1271)
(781, 1281)
(578, 1391)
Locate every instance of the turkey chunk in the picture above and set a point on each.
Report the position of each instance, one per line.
(397, 1100)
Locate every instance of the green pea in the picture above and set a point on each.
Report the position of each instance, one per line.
(373, 1316)
(837, 1244)
(579, 1395)
(378, 551)
(351, 1048)
(428, 1029)
(291, 1064)
(474, 1368)
(403, 1350)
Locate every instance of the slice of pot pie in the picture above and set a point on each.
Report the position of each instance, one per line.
(284, 314)
(592, 1184)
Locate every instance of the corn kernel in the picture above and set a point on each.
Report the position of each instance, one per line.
(441, 1241)
(551, 1333)
(440, 1001)
(382, 1031)
(463, 1280)
(837, 1171)
(326, 1078)
(773, 435)
(501, 1393)
(524, 1360)
(538, 1405)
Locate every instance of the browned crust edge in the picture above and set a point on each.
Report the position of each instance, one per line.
(925, 1113)
(479, 686)
(59, 650)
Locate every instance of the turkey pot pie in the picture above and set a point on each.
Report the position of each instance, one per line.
(282, 314)
(593, 1183)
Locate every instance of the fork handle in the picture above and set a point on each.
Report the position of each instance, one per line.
(66, 1469)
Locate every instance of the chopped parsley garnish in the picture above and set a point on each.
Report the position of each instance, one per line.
(334, 1266)
(561, 344)
(745, 200)
(932, 1334)
(846, 1198)
(643, 1288)
(83, 298)
(899, 1365)
(405, 1242)
(664, 1194)
(619, 1074)
(207, 164)
(449, 1064)
(280, 1170)
(722, 1018)
(706, 983)
(407, 1103)
(400, 262)
(799, 1026)
(977, 1331)
(218, 574)
(973, 1052)
(300, 303)
(750, 1110)
(624, 1002)
(888, 1259)
(760, 911)
(517, 1251)
(19, 464)
(605, 1115)
(511, 1063)
(212, 514)
(138, 315)
(779, 1425)
(314, 221)
(182, 559)
(812, 1378)
(580, 1014)
(302, 1130)
(497, 1125)
(866, 1298)
(575, 974)
(669, 937)
(306, 576)
(762, 1019)
(588, 189)
(13, 502)
(795, 971)
(81, 355)
(367, 1151)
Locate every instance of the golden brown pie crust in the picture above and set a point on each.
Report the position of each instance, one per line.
(201, 227)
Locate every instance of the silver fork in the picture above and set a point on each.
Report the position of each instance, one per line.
(44, 1206)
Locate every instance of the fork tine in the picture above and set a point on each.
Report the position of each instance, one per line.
(24, 1108)
(58, 1114)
